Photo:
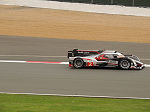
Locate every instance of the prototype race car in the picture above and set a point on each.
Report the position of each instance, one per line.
(103, 58)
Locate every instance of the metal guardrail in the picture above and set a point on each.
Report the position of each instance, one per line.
(139, 3)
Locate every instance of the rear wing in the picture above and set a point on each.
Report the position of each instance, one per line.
(82, 53)
(73, 53)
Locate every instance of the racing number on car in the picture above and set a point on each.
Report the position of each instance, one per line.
(90, 63)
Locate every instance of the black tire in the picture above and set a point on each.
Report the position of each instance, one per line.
(124, 64)
(78, 63)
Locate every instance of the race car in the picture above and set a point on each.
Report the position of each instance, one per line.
(103, 58)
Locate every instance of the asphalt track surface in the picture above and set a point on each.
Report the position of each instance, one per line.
(60, 79)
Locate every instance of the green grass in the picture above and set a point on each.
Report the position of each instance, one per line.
(33, 103)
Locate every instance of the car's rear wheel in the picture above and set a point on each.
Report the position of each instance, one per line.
(78, 63)
(124, 64)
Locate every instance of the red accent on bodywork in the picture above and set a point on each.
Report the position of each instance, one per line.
(139, 65)
(86, 58)
(70, 65)
(101, 57)
(132, 67)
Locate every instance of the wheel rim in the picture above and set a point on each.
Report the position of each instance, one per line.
(125, 64)
(78, 63)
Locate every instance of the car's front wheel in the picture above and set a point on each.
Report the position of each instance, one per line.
(78, 63)
(124, 64)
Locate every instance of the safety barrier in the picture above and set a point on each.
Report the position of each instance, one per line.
(139, 3)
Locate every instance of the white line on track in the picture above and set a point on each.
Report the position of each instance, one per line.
(11, 61)
(65, 63)
(33, 56)
(145, 59)
(146, 65)
(45, 56)
(39, 62)
(43, 62)
(87, 96)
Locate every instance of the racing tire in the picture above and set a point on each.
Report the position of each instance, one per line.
(124, 64)
(78, 63)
